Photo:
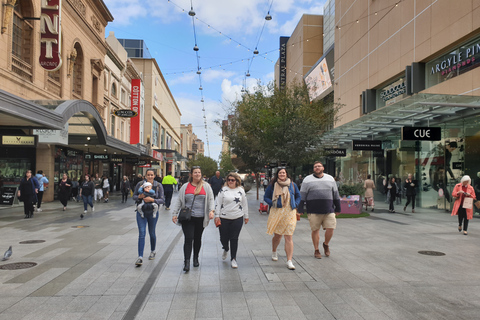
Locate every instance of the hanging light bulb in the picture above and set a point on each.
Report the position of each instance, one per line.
(191, 13)
(202, 100)
(243, 90)
(200, 88)
(195, 48)
(248, 74)
(199, 71)
(255, 51)
(268, 17)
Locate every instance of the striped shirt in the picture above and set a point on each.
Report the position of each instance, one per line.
(319, 194)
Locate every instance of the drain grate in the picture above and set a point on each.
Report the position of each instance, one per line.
(31, 241)
(17, 265)
(432, 253)
(79, 227)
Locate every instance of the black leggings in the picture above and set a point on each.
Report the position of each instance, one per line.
(392, 200)
(39, 199)
(124, 196)
(410, 198)
(192, 230)
(462, 217)
(229, 232)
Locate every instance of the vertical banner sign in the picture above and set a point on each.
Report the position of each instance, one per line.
(50, 35)
(283, 62)
(135, 121)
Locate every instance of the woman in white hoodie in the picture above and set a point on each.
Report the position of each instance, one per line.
(231, 210)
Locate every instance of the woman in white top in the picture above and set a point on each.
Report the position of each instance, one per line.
(231, 209)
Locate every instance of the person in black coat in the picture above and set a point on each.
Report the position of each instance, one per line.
(125, 188)
(391, 189)
(27, 192)
(64, 190)
(410, 186)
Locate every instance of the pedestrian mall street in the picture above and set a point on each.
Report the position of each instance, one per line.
(85, 268)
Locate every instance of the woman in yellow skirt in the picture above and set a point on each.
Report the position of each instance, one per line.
(283, 197)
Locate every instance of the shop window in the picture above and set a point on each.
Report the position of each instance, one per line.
(155, 132)
(114, 90)
(77, 75)
(22, 44)
(123, 96)
(112, 125)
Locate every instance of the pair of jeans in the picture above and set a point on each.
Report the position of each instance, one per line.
(462, 217)
(87, 200)
(142, 228)
(229, 232)
(192, 231)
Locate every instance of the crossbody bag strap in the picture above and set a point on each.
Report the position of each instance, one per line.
(194, 196)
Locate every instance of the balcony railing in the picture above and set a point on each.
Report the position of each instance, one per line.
(22, 68)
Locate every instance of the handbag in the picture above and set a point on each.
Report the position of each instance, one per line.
(185, 213)
(468, 203)
(477, 204)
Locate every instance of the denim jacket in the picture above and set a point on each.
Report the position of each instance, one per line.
(294, 196)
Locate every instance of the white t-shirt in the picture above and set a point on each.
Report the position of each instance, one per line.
(231, 203)
(106, 184)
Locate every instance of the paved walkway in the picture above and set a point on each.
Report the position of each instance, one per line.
(374, 271)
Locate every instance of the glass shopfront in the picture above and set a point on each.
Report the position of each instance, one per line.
(67, 161)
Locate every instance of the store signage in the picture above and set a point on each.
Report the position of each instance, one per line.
(146, 165)
(459, 58)
(87, 157)
(50, 35)
(457, 165)
(283, 62)
(378, 153)
(335, 152)
(123, 113)
(7, 195)
(393, 90)
(101, 157)
(318, 81)
(135, 107)
(52, 136)
(116, 160)
(367, 145)
(422, 133)
(157, 155)
(24, 141)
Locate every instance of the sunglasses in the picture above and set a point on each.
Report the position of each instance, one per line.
(231, 180)
(281, 168)
(196, 167)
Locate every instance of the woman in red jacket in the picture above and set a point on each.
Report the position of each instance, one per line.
(461, 191)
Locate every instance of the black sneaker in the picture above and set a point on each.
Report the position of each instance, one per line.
(139, 262)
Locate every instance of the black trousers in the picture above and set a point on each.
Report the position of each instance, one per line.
(168, 197)
(40, 198)
(124, 196)
(392, 200)
(462, 218)
(412, 199)
(192, 231)
(28, 206)
(229, 232)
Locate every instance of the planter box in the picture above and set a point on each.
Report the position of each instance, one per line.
(351, 204)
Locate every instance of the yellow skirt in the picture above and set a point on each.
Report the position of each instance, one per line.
(282, 220)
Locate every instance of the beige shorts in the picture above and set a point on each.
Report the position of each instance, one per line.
(327, 221)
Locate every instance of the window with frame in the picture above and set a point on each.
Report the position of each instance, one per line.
(112, 124)
(123, 96)
(114, 90)
(77, 74)
(155, 132)
(22, 44)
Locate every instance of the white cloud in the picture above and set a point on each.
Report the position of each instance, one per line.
(211, 75)
(183, 79)
(124, 11)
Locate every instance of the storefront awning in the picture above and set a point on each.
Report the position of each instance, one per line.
(420, 110)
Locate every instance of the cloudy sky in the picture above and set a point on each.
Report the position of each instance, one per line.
(227, 32)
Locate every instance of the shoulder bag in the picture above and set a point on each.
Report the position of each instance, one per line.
(185, 213)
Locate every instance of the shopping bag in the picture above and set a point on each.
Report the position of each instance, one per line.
(468, 203)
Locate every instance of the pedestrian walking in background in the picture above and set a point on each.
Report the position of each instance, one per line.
(98, 195)
(42, 180)
(231, 209)
(75, 186)
(265, 184)
(125, 188)
(369, 185)
(410, 186)
(299, 181)
(464, 195)
(283, 197)
(168, 182)
(216, 182)
(398, 197)
(391, 190)
(87, 189)
(64, 190)
(320, 195)
(105, 188)
(27, 192)
(198, 196)
(148, 219)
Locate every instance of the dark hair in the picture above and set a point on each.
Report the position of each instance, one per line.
(275, 178)
(169, 173)
(40, 172)
(369, 176)
(453, 144)
(153, 170)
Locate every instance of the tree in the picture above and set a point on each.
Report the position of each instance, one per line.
(226, 164)
(272, 125)
(207, 164)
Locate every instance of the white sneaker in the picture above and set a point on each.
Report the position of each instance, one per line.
(39, 210)
(93, 209)
(234, 264)
(85, 211)
(290, 265)
(224, 254)
(274, 256)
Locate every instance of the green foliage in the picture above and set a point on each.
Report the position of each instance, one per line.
(349, 190)
(272, 125)
(207, 164)
(226, 164)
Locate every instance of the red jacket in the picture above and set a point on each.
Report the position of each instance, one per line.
(456, 205)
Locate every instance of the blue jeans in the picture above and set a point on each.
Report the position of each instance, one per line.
(87, 200)
(142, 227)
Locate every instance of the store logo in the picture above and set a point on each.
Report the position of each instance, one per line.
(18, 140)
(455, 61)
(422, 133)
(50, 35)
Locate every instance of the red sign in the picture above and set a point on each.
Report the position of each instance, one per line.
(50, 35)
(146, 165)
(135, 121)
(157, 155)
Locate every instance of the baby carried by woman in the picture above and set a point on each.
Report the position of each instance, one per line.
(147, 207)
